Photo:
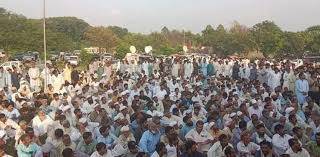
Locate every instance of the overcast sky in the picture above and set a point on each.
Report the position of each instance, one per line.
(151, 15)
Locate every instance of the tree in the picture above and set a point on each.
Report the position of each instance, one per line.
(71, 26)
(267, 37)
(294, 43)
(119, 31)
(312, 36)
(101, 37)
(121, 50)
(239, 39)
(136, 39)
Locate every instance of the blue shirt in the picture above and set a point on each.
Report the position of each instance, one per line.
(29, 151)
(148, 141)
(109, 140)
(184, 130)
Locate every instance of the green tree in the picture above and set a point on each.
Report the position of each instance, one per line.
(294, 43)
(70, 26)
(312, 36)
(119, 31)
(136, 39)
(121, 50)
(267, 38)
(101, 37)
(239, 39)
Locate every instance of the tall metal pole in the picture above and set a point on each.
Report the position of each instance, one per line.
(184, 38)
(45, 45)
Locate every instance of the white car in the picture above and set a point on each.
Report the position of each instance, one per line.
(73, 60)
(9, 64)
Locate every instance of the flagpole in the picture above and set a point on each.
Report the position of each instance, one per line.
(45, 45)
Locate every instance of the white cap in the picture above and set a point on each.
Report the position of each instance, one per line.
(232, 114)
(289, 109)
(125, 128)
(23, 102)
(149, 113)
(173, 123)
(211, 124)
(82, 120)
(65, 108)
(2, 133)
(253, 101)
(79, 92)
(273, 94)
(228, 122)
(239, 113)
(117, 117)
(123, 107)
(109, 91)
(124, 92)
(96, 105)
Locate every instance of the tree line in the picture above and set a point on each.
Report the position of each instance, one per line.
(20, 34)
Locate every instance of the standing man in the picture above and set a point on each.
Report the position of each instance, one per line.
(15, 78)
(34, 74)
(2, 78)
(302, 88)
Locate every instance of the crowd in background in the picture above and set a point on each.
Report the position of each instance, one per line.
(162, 107)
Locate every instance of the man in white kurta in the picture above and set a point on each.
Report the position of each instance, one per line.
(145, 66)
(201, 136)
(40, 123)
(34, 74)
(67, 73)
(286, 75)
(302, 88)
(56, 81)
(2, 78)
(217, 149)
(188, 68)
(275, 79)
(175, 69)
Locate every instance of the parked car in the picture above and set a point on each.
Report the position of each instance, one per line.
(9, 64)
(26, 56)
(73, 60)
(77, 52)
(106, 56)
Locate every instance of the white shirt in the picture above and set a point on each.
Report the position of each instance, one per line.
(155, 154)
(202, 137)
(40, 127)
(55, 103)
(11, 114)
(161, 94)
(96, 154)
(247, 149)
(281, 143)
(303, 153)
(257, 111)
(302, 86)
(11, 132)
(216, 150)
(171, 151)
